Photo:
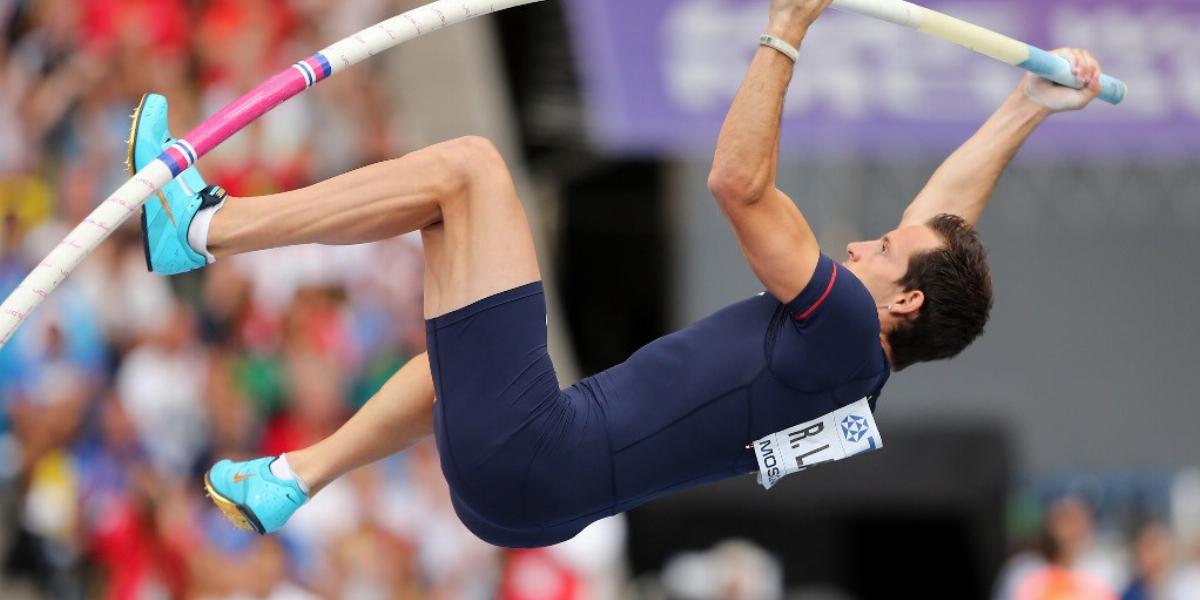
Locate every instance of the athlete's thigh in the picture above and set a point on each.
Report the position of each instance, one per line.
(483, 245)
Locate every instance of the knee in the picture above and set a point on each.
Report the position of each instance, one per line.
(472, 157)
(463, 166)
(450, 170)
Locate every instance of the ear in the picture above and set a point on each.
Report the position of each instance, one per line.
(906, 304)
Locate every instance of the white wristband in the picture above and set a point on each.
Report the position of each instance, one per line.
(783, 47)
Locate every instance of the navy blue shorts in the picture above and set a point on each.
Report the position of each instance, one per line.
(528, 464)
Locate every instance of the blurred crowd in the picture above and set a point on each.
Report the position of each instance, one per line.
(1105, 537)
(121, 390)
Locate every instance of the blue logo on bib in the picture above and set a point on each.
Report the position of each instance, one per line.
(854, 428)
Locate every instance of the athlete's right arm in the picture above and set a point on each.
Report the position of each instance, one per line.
(777, 241)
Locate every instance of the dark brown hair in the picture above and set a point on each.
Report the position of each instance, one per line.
(957, 284)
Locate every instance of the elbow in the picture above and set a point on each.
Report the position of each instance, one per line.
(730, 187)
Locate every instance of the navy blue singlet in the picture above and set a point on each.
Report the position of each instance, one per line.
(531, 465)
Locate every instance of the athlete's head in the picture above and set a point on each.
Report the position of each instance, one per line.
(932, 285)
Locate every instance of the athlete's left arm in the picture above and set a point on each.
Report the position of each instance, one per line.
(963, 184)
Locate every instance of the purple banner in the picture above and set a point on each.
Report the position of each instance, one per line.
(660, 74)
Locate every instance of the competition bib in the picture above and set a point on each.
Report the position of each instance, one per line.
(842, 433)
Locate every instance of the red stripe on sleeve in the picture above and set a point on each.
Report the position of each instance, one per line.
(824, 295)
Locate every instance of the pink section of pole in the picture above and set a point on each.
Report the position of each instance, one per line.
(241, 112)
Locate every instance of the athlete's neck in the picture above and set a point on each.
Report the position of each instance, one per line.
(887, 348)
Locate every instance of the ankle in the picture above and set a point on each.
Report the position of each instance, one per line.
(282, 470)
(232, 228)
(212, 200)
(305, 467)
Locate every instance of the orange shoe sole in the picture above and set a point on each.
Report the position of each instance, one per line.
(237, 514)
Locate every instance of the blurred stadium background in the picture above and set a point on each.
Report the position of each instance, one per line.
(1056, 456)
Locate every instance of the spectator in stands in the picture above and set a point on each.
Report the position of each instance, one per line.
(1152, 554)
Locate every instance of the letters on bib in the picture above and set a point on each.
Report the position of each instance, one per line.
(840, 434)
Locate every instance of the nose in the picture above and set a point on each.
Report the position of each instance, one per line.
(850, 251)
